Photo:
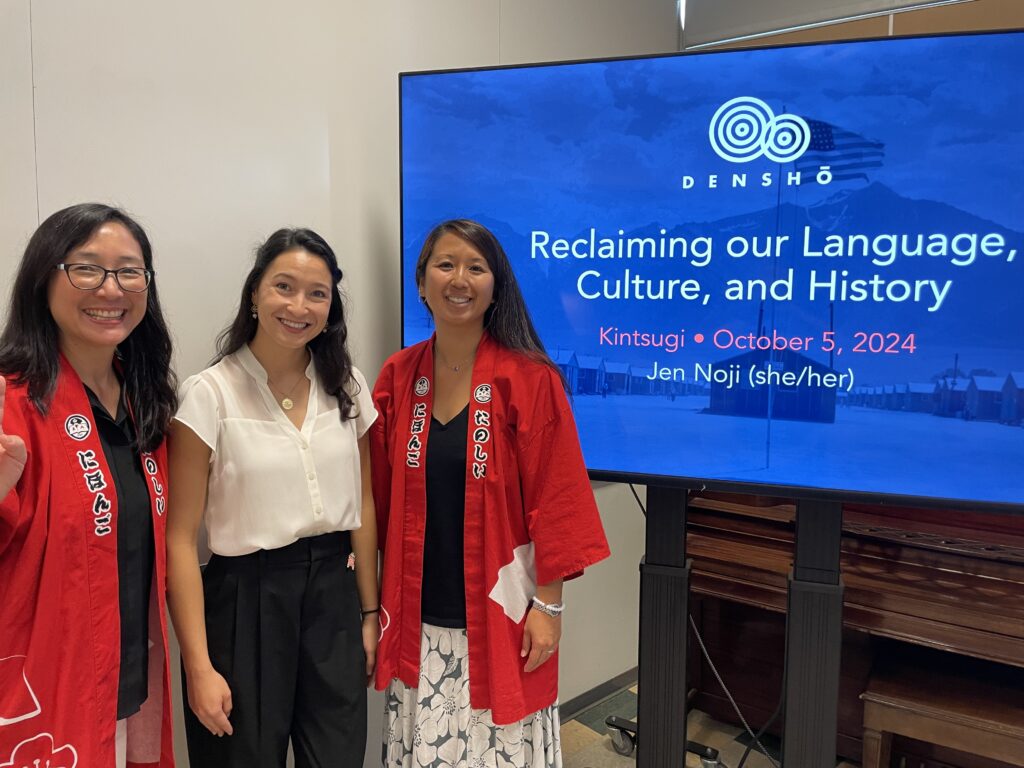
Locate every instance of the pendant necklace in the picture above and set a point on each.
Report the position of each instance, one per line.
(457, 367)
(286, 402)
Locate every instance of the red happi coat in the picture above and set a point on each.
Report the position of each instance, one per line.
(59, 616)
(530, 516)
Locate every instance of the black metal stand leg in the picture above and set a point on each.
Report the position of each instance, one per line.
(664, 587)
(813, 638)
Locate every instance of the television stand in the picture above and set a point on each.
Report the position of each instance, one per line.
(814, 627)
(813, 634)
(664, 590)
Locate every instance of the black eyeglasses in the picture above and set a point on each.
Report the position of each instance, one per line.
(89, 277)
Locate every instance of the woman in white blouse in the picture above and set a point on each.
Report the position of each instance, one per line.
(278, 634)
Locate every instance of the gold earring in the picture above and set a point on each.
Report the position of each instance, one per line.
(252, 310)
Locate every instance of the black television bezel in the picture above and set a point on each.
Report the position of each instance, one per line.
(796, 492)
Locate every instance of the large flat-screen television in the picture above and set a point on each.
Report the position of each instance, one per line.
(790, 270)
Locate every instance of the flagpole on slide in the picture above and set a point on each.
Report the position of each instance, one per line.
(771, 353)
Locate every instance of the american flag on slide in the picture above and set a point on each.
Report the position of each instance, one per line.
(847, 154)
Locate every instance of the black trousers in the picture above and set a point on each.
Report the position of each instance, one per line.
(283, 628)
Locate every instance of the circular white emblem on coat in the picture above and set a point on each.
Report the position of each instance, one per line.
(422, 386)
(77, 427)
(482, 394)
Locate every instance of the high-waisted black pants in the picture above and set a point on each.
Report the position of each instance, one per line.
(283, 628)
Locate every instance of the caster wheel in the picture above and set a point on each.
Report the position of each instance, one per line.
(623, 742)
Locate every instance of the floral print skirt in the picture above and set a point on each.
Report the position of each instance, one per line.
(433, 726)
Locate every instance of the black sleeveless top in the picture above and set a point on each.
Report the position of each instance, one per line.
(443, 601)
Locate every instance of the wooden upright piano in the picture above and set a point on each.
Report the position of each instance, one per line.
(913, 578)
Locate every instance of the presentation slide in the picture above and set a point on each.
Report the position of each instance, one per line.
(796, 266)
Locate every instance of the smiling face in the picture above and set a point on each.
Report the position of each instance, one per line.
(457, 283)
(292, 299)
(100, 319)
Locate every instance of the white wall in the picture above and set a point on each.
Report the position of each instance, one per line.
(217, 122)
(17, 150)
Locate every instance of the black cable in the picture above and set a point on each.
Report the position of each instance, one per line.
(782, 699)
(735, 706)
(638, 502)
(770, 720)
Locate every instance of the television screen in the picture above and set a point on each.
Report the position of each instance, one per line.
(789, 268)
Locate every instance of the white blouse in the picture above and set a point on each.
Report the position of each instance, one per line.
(271, 484)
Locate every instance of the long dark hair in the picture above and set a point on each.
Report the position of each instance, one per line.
(507, 320)
(329, 349)
(29, 346)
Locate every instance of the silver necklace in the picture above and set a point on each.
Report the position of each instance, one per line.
(457, 367)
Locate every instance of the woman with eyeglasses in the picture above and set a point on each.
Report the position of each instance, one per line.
(86, 396)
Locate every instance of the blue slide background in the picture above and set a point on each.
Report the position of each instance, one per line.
(926, 137)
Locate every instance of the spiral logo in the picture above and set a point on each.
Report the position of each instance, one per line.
(745, 128)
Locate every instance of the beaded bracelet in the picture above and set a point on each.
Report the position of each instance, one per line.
(550, 609)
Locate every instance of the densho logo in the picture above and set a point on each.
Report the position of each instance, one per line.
(745, 128)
